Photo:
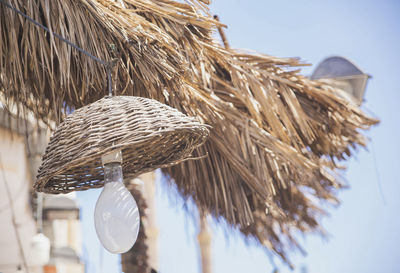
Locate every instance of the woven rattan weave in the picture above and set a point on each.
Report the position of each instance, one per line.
(150, 134)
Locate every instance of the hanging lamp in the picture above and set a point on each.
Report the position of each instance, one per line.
(149, 134)
(113, 137)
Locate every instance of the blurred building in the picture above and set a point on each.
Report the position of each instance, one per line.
(62, 226)
(24, 215)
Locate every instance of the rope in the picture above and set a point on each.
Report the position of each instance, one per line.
(108, 65)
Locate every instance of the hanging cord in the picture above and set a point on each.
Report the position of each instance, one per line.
(108, 65)
(39, 212)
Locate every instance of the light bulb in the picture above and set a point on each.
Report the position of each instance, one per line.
(116, 216)
(40, 250)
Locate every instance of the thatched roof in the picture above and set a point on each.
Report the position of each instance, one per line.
(276, 135)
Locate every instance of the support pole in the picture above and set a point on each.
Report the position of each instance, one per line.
(222, 34)
(204, 239)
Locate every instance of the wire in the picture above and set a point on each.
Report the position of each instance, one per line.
(377, 173)
(108, 65)
(39, 211)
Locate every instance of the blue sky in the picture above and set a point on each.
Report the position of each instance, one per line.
(365, 229)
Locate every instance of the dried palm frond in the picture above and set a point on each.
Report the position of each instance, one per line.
(276, 135)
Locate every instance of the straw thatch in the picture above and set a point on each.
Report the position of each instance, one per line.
(276, 134)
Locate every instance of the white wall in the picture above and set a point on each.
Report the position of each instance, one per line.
(15, 172)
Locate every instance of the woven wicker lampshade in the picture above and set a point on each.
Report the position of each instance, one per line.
(150, 134)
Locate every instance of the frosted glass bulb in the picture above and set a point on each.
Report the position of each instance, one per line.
(116, 216)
